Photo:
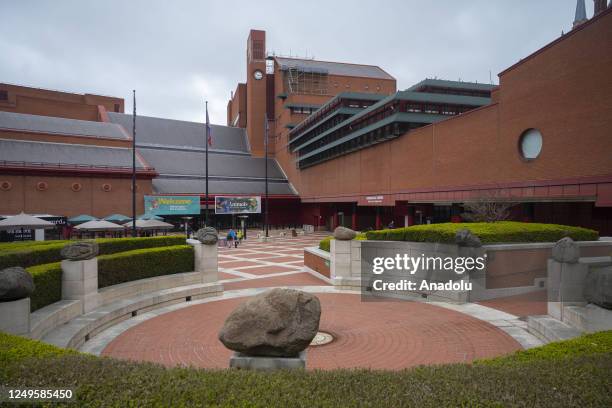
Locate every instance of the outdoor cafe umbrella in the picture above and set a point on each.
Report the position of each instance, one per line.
(79, 219)
(148, 216)
(25, 221)
(156, 224)
(118, 218)
(149, 225)
(98, 225)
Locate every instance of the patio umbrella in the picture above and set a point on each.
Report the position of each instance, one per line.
(156, 224)
(139, 224)
(99, 225)
(79, 219)
(148, 216)
(25, 221)
(118, 218)
(149, 225)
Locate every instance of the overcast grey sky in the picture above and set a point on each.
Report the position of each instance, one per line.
(176, 53)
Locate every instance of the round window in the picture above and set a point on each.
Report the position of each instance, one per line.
(531, 144)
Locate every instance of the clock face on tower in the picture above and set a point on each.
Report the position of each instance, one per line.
(257, 74)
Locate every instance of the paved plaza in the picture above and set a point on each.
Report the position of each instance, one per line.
(378, 335)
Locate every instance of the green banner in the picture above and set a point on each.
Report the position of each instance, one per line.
(172, 205)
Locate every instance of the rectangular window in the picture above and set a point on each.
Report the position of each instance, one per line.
(3, 95)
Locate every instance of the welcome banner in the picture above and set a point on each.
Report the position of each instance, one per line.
(172, 205)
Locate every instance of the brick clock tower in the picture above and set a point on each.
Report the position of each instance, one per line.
(256, 91)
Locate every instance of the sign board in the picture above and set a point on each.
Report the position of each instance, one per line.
(376, 200)
(172, 205)
(237, 205)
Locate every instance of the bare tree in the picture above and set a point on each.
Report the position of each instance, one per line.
(487, 209)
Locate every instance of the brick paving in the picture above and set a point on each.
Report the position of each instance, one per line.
(528, 304)
(378, 335)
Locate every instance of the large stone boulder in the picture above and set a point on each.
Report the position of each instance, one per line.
(566, 250)
(598, 287)
(277, 323)
(465, 238)
(80, 250)
(15, 283)
(344, 234)
(207, 235)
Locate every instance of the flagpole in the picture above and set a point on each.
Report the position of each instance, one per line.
(206, 142)
(266, 179)
(134, 166)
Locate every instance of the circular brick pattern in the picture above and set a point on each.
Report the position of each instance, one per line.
(377, 335)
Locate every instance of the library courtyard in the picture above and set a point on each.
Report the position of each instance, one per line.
(378, 335)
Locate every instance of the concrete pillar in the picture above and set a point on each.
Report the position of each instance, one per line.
(340, 259)
(15, 316)
(206, 261)
(565, 286)
(80, 282)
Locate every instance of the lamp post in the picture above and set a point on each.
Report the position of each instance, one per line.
(266, 178)
(134, 167)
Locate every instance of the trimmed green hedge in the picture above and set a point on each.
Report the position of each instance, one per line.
(37, 253)
(568, 379)
(47, 284)
(492, 232)
(15, 348)
(325, 243)
(144, 263)
(12, 246)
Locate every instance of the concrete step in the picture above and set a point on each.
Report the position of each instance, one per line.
(77, 331)
(549, 329)
(589, 318)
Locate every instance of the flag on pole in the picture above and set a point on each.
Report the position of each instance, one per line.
(208, 129)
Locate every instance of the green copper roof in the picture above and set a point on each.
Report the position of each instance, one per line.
(443, 83)
(301, 105)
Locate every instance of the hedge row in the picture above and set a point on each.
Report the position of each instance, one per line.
(11, 246)
(37, 254)
(325, 243)
(113, 269)
(570, 380)
(47, 284)
(494, 232)
(144, 263)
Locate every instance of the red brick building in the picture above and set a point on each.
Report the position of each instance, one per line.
(345, 146)
(559, 98)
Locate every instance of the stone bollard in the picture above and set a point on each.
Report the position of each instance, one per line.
(80, 274)
(205, 251)
(340, 258)
(566, 277)
(16, 286)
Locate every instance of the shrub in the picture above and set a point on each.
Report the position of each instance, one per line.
(47, 284)
(589, 344)
(37, 253)
(11, 246)
(496, 232)
(15, 348)
(115, 245)
(325, 243)
(144, 263)
(569, 379)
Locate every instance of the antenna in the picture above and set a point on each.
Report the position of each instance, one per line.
(490, 77)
